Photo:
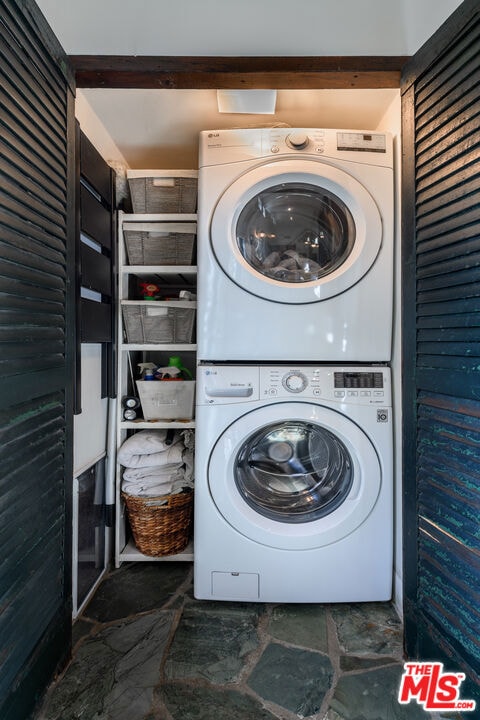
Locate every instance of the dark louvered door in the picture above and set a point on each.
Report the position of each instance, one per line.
(441, 286)
(36, 327)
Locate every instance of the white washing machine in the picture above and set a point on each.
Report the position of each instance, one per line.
(293, 483)
(295, 245)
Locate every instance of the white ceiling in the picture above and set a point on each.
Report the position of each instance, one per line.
(245, 27)
(159, 128)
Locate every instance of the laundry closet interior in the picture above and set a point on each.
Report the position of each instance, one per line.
(346, 118)
(315, 374)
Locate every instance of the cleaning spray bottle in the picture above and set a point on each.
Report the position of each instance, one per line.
(147, 370)
(168, 373)
(175, 370)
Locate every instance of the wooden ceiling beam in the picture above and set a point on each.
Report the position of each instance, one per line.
(156, 72)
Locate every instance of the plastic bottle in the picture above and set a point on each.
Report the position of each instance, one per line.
(176, 361)
(147, 370)
(168, 373)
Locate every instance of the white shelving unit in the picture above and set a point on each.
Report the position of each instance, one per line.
(125, 549)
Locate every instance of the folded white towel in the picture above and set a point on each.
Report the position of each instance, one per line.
(166, 486)
(148, 442)
(149, 452)
(151, 474)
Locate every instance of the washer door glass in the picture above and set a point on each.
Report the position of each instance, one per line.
(293, 472)
(295, 232)
(294, 475)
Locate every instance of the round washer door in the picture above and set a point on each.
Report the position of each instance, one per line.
(296, 231)
(294, 476)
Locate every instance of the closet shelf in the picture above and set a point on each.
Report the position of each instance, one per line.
(130, 553)
(159, 269)
(160, 217)
(157, 424)
(185, 347)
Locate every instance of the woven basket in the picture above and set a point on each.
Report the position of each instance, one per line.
(160, 244)
(160, 525)
(159, 322)
(163, 191)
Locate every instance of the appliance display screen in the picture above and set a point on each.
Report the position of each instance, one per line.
(358, 379)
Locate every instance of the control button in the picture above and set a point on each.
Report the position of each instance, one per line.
(317, 391)
(295, 382)
(297, 140)
(339, 393)
(365, 393)
(274, 149)
(320, 149)
(378, 393)
(352, 393)
(273, 391)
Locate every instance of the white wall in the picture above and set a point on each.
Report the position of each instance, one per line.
(421, 19)
(90, 426)
(96, 132)
(247, 27)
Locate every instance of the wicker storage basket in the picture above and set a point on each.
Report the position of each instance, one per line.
(163, 191)
(159, 321)
(160, 525)
(160, 243)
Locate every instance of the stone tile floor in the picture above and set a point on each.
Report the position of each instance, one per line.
(145, 649)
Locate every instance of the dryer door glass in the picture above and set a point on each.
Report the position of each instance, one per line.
(293, 472)
(295, 232)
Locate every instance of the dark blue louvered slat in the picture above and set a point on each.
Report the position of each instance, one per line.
(446, 602)
(36, 110)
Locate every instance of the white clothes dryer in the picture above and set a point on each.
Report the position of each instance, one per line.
(295, 245)
(293, 483)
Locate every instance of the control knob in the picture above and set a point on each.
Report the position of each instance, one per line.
(295, 382)
(297, 140)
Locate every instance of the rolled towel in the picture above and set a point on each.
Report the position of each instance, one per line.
(189, 466)
(188, 438)
(146, 442)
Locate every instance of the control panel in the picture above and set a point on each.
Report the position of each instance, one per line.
(319, 141)
(358, 386)
(222, 384)
(235, 145)
(280, 140)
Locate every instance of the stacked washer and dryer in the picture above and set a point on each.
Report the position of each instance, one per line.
(294, 448)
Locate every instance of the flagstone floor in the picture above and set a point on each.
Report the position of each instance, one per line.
(145, 649)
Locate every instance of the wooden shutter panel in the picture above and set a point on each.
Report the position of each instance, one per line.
(441, 284)
(36, 331)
